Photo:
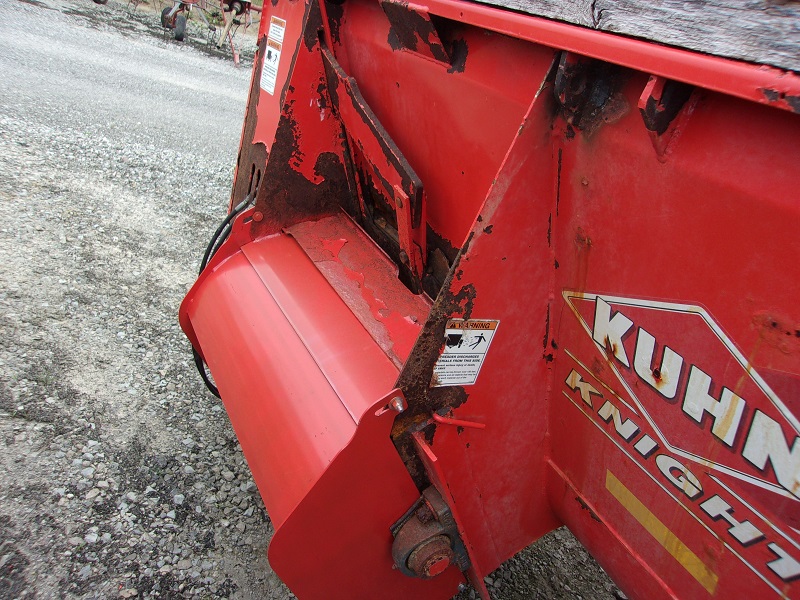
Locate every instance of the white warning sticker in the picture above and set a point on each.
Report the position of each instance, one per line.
(272, 58)
(466, 343)
(277, 27)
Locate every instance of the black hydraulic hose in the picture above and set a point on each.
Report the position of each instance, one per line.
(213, 246)
(201, 368)
(220, 235)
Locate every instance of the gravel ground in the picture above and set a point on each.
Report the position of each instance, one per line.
(120, 475)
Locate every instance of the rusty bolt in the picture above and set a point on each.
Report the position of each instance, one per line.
(257, 216)
(424, 514)
(432, 557)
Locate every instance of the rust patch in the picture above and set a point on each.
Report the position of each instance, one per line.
(313, 26)
(598, 367)
(335, 13)
(616, 108)
(583, 246)
(558, 178)
(585, 507)
(286, 197)
(410, 30)
(588, 93)
(252, 157)
(771, 95)
(546, 328)
(778, 331)
(661, 109)
(610, 348)
(458, 56)
(415, 378)
(779, 98)
(436, 241)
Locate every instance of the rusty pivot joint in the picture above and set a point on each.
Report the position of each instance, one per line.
(426, 539)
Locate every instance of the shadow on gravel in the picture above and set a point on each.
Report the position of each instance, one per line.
(13, 564)
(40, 5)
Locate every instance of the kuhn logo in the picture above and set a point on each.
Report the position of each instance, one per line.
(697, 391)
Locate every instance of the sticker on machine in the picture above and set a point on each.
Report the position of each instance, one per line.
(272, 57)
(466, 343)
(277, 27)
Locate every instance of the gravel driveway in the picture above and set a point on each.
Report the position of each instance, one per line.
(120, 475)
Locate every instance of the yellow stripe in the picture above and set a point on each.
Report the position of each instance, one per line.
(688, 559)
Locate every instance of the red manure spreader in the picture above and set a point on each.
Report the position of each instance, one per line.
(486, 273)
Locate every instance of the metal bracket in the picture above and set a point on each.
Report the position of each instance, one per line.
(412, 30)
(588, 92)
(665, 106)
(426, 539)
(397, 182)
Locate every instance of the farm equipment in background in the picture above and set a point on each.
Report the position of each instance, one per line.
(176, 17)
(485, 274)
(234, 13)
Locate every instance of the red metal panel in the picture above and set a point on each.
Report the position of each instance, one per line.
(505, 462)
(600, 211)
(453, 125)
(287, 371)
(305, 387)
(709, 233)
(440, 480)
(270, 105)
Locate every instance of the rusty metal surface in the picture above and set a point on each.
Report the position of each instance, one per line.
(383, 162)
(252, 156)
(426, 539)
(412, 30)
(366, 281)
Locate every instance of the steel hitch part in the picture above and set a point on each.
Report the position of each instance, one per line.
(426, 539)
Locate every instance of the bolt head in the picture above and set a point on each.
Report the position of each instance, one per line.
(398, 404)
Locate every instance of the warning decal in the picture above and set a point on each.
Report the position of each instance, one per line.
(466, 343)
(272, 58)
